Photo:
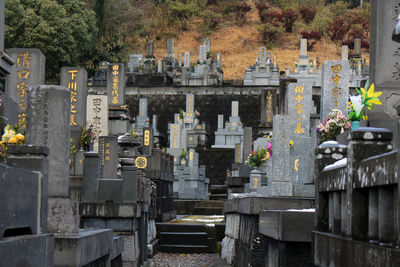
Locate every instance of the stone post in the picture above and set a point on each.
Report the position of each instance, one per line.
(326, 154)
(91, 172)
(365, 142)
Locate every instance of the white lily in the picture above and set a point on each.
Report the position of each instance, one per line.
(356, 102)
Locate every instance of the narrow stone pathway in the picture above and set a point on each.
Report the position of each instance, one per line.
(188, 260)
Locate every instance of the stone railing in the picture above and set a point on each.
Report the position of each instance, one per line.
(356, 200)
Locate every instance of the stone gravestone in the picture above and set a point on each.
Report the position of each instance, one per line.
(148, 139)
(75, 79)
(345, 52)
(116, 84)
(189, 114)
(262, 56)
(335, 87)
(219, 60)
(207, 43)
(135, 61)
(108, 152)
(280, 184)
(142, 119)
(28, 70)
(150, 49)
(299, 111)
(180, 60)
(97, 115)
(48, 125)
(186, 60)
(170, 48)
(203, 53)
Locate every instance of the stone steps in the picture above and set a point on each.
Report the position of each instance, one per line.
(209, 211)
(219, 196)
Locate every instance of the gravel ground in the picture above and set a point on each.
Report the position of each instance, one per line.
(187, 260)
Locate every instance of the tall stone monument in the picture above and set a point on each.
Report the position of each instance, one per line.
(116, 84)
(75, 79)
(28, 71)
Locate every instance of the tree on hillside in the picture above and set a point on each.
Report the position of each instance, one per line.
(63, 30)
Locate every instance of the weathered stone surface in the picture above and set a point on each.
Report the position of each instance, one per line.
(48, 125)
(20, 191)
(27, 251)
(63, 216)
(287, 225)
(83, 248)
(228, 249)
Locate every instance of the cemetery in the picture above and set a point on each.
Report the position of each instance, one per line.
(162, 156)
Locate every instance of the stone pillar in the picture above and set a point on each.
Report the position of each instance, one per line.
(364, 142)
(48, 125)
(326, 154)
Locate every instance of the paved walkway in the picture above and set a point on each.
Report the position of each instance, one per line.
(188, 260)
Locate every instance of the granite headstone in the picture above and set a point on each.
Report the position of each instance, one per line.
(116, 84)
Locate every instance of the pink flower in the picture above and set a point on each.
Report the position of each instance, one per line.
(269, 146)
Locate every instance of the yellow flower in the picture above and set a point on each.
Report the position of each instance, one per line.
(266, 157)
(20, 137)
(2, 142)
(291, 143)
(370, 96)
(13, 140)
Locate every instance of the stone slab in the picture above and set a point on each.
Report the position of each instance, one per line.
(27, 251)
(287, 225)
(253, 205)
(97, 115)
(116, 84)
(109, 210)
(109, 190)
(20, 193)
(82, 248)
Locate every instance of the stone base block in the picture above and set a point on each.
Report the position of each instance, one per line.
(63, 216)
(304, 190)
(228, 249)
(282, 189)
(84, 247)
(27, 250)
(130, 255)
(287, 225)
(232, 225)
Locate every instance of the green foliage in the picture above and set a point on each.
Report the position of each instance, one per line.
(63, 30)
(270, 34)
(322, 19)
(184, 154)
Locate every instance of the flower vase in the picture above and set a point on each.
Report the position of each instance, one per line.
(355, 125)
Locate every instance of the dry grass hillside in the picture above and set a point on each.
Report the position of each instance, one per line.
(239, 46)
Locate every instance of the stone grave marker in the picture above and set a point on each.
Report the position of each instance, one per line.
(180, 60)
(135, 60)
(345, 52)
(170, 48)
(219, 60)
(262, 55)
(202, 53)
(335, 87)
(247, 142)
(28, 70)
(280, 184)
(189, 113)
(116, 84)
(159, 66)
(150, 49)
(97, 115)
(175, 136)
(207, 43)
(108, 152)
(238, 153)
(148, 139)
(48, 125)
(75, 79)
(357, 47)
(186, 59)
(299, 109)
(7, 110)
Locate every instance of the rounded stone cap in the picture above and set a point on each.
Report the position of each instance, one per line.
(371, 134)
